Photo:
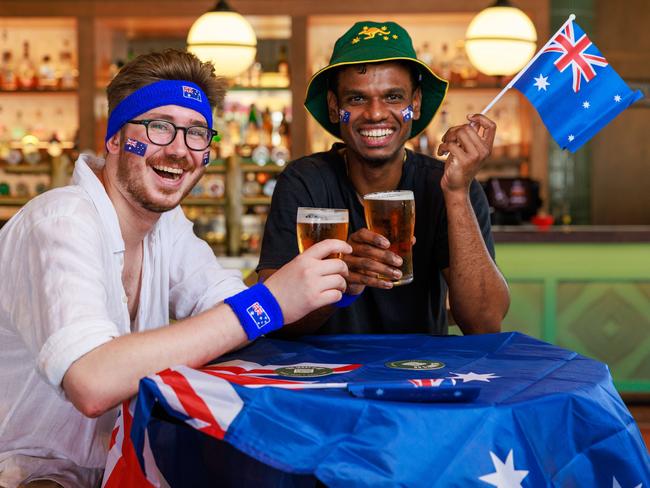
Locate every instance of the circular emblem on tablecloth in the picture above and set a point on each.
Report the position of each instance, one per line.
(303, 371)
(418, 364)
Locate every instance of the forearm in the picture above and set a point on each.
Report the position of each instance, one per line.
(478, 293)
(109, 374)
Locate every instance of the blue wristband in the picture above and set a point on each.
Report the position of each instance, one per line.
(347, 300)
(257, 310)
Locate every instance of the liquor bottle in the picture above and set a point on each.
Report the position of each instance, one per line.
(443, 127)
(8, 79)
(67, 73)
(463, 72)
(46, 74)
(282, 65)
(18, 128)
(267, 128)
(26, 70)
(425, 55)
(444, 65)
(285, 129)
(252, 136)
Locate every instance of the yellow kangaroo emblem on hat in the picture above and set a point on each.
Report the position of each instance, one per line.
(371, 32)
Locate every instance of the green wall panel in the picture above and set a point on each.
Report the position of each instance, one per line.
(590, 298)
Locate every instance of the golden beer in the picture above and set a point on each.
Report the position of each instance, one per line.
(392, 215)
(317, 224)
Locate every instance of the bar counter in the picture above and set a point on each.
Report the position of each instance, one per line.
(572, 233)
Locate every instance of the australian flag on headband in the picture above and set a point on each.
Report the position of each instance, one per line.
(191, 92)
(573, 87)
(282, 413)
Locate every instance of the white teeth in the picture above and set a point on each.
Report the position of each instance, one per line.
(167, 169)
(376, 132)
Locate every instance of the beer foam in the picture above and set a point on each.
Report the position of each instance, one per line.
(390, 195)
(309, 215)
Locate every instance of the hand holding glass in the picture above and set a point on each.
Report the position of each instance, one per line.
(317, 224)
(392, 215)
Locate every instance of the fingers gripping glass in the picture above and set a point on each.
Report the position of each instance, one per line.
(163, 132)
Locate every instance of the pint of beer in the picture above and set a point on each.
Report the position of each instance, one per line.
(392, 215)
(317, 224)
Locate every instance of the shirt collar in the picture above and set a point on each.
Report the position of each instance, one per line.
(86, 178)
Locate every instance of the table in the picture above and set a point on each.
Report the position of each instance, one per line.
(545, 416)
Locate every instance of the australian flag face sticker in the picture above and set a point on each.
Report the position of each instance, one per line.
(206, 158)
(191, 92)
(407, 113)
(344, 116)
(259, 315)
(134, 146)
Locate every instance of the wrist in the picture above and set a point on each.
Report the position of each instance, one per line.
(257, 310)
(456, 196)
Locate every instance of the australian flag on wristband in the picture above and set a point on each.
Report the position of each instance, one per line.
(573, 87)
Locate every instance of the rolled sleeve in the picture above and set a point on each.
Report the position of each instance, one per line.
(70, 343)
(64, 310)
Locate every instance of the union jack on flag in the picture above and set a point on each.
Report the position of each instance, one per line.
(134, 146)
(574, 54)
(575, 103)
(191, 92)
(259, 315)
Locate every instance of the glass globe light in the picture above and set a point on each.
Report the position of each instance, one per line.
(500, 40)
(225, 38)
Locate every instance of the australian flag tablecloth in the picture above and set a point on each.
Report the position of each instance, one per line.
(544, 416)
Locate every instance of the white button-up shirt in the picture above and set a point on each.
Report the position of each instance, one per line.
(61, 295)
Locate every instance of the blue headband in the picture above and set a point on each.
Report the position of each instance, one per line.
(163, 92)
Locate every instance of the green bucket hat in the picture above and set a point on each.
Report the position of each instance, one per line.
(375, 42)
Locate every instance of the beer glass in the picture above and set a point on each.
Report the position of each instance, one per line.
(317, 224)
(392, 215)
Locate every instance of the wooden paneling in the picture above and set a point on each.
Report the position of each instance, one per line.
(621, 152)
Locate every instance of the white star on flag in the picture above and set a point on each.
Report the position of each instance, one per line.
(616, 484)
(617, 98)
(467, 377)
(586, 104)
(505, 476)
(541, 82)
(571, 137)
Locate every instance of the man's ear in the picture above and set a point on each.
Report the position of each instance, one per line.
(417, 103)
(332, 107)
(113, 143)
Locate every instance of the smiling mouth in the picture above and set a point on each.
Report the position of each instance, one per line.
(168, 172)
(376, 133)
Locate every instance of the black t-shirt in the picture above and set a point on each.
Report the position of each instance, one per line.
(320, 180)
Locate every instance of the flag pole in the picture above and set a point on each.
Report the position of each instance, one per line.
(523, 70)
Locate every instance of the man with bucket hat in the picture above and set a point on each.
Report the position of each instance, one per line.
(375, 95)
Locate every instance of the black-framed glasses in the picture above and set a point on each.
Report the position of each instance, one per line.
(163, 133)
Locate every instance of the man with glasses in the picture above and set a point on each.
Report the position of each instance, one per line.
(96, 270)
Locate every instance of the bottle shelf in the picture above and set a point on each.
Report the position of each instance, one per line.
(256, 168)
(41, 91)
(215, 167)
(256, 200)
(204, 202)
(13, 201)
(33, 169)
(259, 89)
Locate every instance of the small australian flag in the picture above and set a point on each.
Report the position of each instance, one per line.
(191, 92)
(134, 146)
(407, 113)
(259, 315)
